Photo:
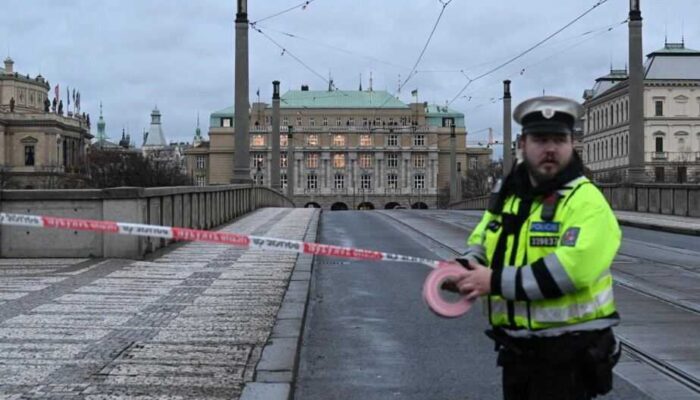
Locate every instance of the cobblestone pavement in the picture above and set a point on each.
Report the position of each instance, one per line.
(189, 324)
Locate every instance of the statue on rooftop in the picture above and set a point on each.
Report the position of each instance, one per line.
(12, 104)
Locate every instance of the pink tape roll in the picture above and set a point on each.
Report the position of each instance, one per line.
(432, 296)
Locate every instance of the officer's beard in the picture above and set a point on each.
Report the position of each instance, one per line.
(546, 183)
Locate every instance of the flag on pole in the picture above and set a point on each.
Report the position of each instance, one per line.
(74, 97)
(414, 92)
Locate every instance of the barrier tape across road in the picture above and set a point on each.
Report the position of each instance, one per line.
(431, 289)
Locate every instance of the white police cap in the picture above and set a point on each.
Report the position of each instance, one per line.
(548, 114)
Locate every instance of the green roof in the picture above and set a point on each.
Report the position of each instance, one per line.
(674, 48)
(340, 99)
(224, 112)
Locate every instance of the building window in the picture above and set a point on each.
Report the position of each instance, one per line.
(419, 140)
(226, 122)
(459, 166)
(377, 121)
(312, 122)
(392, 181)
(364, 121)
(259, 179)
(283, 180)
(392, 160)
(337, 121)
(298, 121)
(312, 140)
(366, 181)
(258, 159)
(285, 121)
(339, 181)
(351, 122)
(659, 144)
(365, 160)
(312, 181)
(29, 155)
(659, 108)
(201, 181)
(392, 140)
(419, 181)
(312, 160)
(473, 163)
(325, 121)
(339, 140)
(283, 160)
(201, 162)
(448, 122)
(338, 160)
(283, 140)
(419, 160)
(258, 140)
(365, 140)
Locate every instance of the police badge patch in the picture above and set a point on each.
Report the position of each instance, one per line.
(570, 237)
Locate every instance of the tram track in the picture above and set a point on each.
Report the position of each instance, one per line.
(630, 349)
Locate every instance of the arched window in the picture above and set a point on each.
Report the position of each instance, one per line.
(617, 146)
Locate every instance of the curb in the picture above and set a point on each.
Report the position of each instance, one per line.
(275, 372)
(662, 228)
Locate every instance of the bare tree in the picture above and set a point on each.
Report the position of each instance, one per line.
(110, 168)
(479, 180)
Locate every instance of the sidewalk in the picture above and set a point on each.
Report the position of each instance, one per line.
(660, 222)
(198, 322)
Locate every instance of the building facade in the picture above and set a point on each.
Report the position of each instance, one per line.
(671, 119)
(352, 149)
(40, 148)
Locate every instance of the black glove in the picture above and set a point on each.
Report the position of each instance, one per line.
(451, 286)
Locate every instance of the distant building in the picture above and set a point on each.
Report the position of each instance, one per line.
(198, 158)
(353, 149)
(156, 148)
(102, 141)
(671, 119)
(41, 148)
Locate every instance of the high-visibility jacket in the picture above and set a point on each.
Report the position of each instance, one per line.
(550, 272)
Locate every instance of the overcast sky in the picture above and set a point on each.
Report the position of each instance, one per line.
(178, 54)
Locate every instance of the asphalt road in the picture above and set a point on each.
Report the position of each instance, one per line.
(368, 334)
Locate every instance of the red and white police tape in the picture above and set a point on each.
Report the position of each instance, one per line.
(431, 289)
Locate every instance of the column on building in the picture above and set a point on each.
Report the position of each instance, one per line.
(433, 157)
(353, 170)
(379, 172)
(325, 157)
(405, 174)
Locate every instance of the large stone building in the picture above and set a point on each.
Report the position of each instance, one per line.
(353, 149)
(671, 119)
(39, 148)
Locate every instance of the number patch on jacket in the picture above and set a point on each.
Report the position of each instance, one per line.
(544, 241)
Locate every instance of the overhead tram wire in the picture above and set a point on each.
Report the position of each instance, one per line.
(588, 35)
(302, 5)
(528, 50)
(339, 49)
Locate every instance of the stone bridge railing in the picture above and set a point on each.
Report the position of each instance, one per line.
(184, 206)
(671, 199)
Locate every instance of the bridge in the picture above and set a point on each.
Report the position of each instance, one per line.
(88, 315)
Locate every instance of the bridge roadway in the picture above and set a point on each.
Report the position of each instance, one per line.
(368, 334)
(201, 321)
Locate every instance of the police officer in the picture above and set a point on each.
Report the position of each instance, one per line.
(542, 255)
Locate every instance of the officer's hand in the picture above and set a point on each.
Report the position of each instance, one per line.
(476, 281)
(451, 286)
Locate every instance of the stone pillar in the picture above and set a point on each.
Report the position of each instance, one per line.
(290, 161)
(454, 194)
(275, 139)
(241, 157)
(507, 129)
(636, 95)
